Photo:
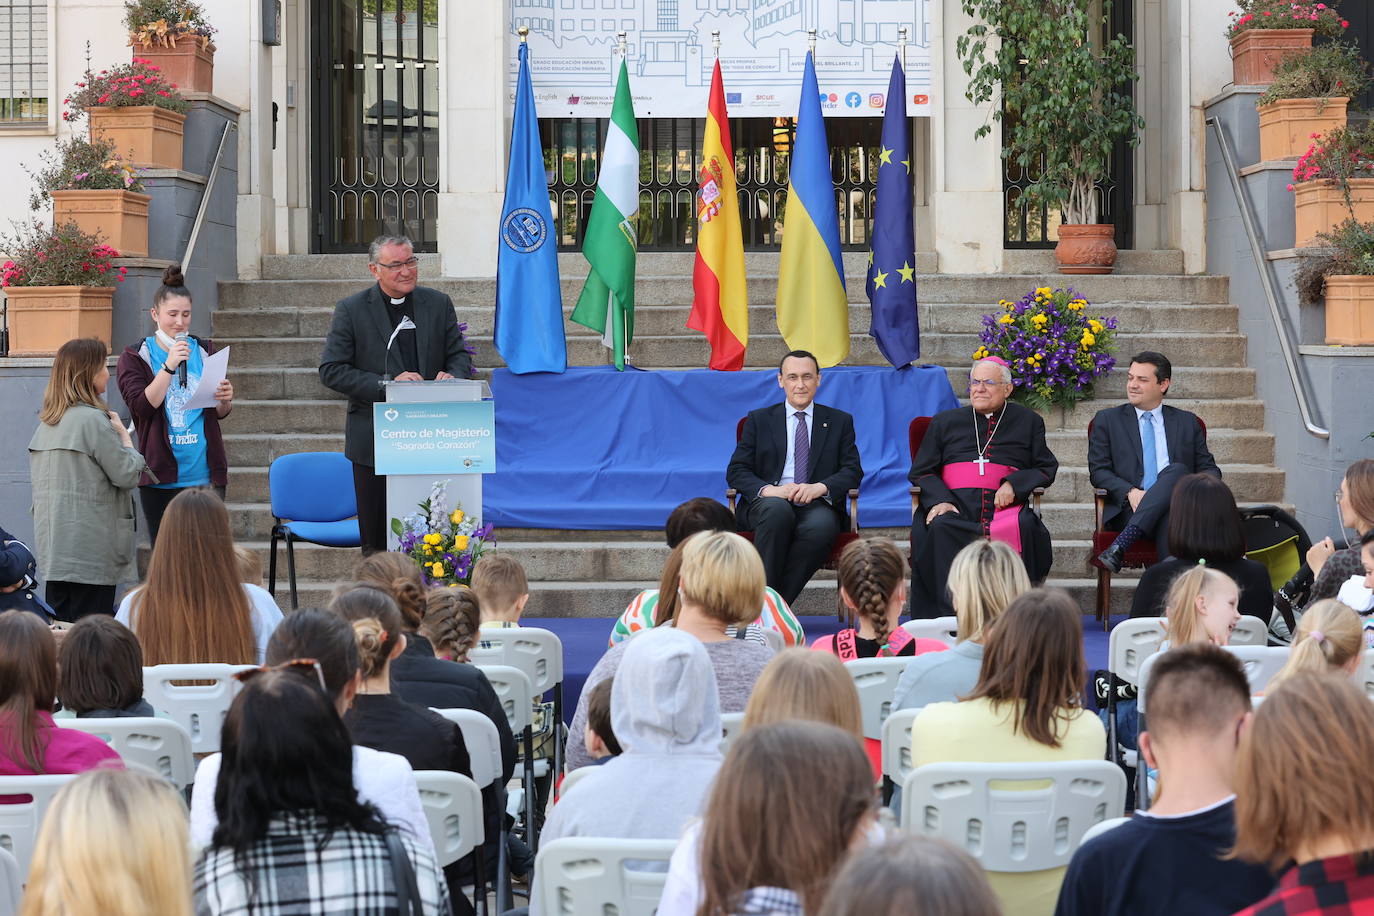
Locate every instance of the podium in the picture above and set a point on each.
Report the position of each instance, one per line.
(425, 432)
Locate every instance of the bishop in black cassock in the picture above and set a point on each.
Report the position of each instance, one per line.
(976, 468)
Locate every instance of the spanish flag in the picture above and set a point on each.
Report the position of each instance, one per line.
(720, 304)
(813, 310)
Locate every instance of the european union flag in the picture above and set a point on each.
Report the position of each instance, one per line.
(891, 284)
(529, 300)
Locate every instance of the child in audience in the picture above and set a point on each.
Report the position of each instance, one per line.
(502, 589)
(452, 621)
(18, 579)
(770, 841)
(1172, 858)
(1330, 639)
(601, 742)
(398, 576)
(812, 686)
(113, 842)
(1201, 607)
(250, 565)
(31, 743)
(1304, 799)
(100, 670)
(911, 875)
(1026, 707)
(873, 577)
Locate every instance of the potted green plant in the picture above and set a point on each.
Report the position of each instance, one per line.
(1332, 182)
(1309, 95)
(58, 285)
(1264, 32)
(134, 107)
(90, 185)
(174, 35)
(1343, 274)
(1065, 102)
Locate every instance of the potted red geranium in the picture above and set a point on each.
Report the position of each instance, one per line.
(134, 107)
(1264, 32)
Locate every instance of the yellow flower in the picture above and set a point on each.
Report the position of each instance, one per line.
(460, 542)
(1043, 291)
(434, 538)
(1096, 326)
(980, 353)
(437, 567)
(1088, 339)
(456, 517)
(1005, 319)
(1040, 320)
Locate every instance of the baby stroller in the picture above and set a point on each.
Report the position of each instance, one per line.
(1276, 540)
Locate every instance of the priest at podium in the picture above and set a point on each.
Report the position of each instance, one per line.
(976, 468)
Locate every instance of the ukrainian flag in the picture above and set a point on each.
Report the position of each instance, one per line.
(813, 311)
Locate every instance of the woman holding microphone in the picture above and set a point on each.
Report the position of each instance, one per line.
(183, 447)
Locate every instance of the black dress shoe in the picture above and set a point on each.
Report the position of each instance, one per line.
(1113, 558)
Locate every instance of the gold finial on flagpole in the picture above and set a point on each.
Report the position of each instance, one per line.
(620, 43)
(524, 33)
(811, 41)
(715, 41)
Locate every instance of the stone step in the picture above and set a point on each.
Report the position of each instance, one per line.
(1031, 260)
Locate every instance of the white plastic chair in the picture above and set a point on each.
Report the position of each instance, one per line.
(897, 764)
(1250, 631)
(945, 629)
(160, 746)
(1261, 663)
(514, 690)
(20, 821)
(483, 742)
(1013, 829)
(1131, 642)
(731, 723)
(572, 779)
(596, 875)
(876, 681)
(453, 807)
(199, 708)
(1098, 829)
(11, 883)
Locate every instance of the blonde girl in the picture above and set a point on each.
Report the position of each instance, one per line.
(810, 686)
(1330, 639)
(1201, 607)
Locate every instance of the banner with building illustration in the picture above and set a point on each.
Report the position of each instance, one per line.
(763, 46)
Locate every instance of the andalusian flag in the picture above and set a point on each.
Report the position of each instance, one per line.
(720, 304)
(813, 311)
(607, 303)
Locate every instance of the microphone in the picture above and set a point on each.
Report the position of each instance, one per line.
(181, 368)
(405, 324)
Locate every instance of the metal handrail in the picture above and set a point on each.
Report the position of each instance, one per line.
(1266, 272)
(205, 198)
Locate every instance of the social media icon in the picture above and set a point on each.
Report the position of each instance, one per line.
(853, 100)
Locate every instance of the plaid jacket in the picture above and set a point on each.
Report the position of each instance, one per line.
(294, 876)
(1339, 886)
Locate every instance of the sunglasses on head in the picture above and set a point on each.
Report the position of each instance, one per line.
(248, 674)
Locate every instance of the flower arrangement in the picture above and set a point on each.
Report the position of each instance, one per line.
(1325, 72)
(1056, 351)
(137, 83)
(64, 255)
(445, 545)
(1337, 156)
(1350, 252)
(79, 164)
(1322, 18)
(163, 22)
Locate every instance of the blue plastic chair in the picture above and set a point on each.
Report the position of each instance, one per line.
(312, 501)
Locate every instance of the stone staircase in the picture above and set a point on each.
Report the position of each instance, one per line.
(277, 327)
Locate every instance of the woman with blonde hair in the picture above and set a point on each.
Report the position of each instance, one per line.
(131, 823)
(194, 608)
(1202, 606)
(985, 577)
(721, 587)
(452, 622)
(1304, 800)
(1330, 639)
(84, 468)
(810, 686)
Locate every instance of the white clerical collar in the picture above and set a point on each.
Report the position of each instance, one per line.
(400, 301)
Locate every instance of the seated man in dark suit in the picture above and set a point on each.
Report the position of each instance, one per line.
(793, 466)
(1140, 481)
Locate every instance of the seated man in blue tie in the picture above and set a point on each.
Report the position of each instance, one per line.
(1138, 452)
(793, 466)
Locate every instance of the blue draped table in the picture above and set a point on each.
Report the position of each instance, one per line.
(598, 449)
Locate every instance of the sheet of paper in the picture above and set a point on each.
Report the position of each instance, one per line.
(212, 372)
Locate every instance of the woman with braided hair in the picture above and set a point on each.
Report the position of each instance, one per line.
(452, 622)
(873, 586)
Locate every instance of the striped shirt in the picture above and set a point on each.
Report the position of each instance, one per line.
(775, 615)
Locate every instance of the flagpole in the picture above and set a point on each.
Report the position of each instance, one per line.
(715, 42)
(901, 48)
(811, 42)
(524, 33)
(620, 44)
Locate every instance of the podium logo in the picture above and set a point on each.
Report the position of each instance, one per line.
(391, 414)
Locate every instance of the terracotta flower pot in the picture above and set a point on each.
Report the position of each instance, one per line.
(43, 318)
(1086, 249)
(119, 217)
(1256, 52)
(185, 63)
(146, 135)
(1286, 126)
(1319, 206)
(1350, 310)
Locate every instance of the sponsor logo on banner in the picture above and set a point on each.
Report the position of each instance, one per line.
(875, 100)
(853, 100)
(391, 414)
(920, 100)
(733, 98)
(524, 230)
(763, 98)
(573, 100)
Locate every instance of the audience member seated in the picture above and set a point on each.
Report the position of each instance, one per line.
(647, 610)
(193, 608)
(1026, 707)
(1204, 524)
(100, 671)
(293, 836)
(1304, 799)
(910, 876)
(452, 621)
(31, 743)
(250, 565)
(791, 800)
(18, 579)
(601, 742)
(873, 586)
(985, 577)
(807, 686)
(664, 713)
(721, 586)
(113, 842)
(1174, 858)
(1331, 567)
(1202, 606)
(382, 780)
(502, 589)
(1330, 640)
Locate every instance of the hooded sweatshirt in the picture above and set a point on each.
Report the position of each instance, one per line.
(666, 716)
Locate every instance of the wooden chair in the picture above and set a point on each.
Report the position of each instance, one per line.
(842, 540)
(1139, 555)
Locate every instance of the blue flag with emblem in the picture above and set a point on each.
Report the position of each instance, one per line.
(529, 300)
(891, 283)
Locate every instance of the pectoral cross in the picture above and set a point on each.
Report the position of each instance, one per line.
(981, 462)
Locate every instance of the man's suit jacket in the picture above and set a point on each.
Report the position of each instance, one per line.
(762, 452)
(355, 355)
(1116, 460)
